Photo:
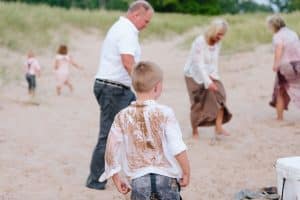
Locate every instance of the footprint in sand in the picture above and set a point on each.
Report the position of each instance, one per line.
(287, 124)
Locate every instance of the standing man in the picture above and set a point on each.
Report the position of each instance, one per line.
(120, 51)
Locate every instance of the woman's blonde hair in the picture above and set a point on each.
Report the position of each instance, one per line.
(145, 76)
(276, 22)
(62, 49)
(215, 27)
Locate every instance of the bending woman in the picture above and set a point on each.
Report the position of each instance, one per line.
(206, 91)
(286, 65)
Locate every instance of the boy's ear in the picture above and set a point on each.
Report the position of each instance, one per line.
(156, 87)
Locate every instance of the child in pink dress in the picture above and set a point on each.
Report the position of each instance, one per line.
(61, 67)
(32, 68)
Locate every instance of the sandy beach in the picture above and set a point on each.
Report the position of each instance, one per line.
(46, 148)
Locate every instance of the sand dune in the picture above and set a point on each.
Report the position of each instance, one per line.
(46, 148)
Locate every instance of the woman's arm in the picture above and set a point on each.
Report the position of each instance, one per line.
(277, 56)
(198, 58)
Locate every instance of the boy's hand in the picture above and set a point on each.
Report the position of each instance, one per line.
(121, 186)
(184, 181)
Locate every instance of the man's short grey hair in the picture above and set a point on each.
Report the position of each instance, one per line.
(136, 5)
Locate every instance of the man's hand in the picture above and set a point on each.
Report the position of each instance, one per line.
(184, 181)
(213, 87)
(121, 186)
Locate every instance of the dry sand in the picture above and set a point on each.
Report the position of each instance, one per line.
(46, 149)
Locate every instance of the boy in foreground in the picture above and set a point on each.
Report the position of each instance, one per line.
(145, 143)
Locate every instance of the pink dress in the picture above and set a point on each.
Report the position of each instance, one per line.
(62, 72)
(288, 77)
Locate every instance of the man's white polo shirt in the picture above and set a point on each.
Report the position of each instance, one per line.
(122, 38)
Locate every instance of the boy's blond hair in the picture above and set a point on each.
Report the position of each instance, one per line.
(145, 76)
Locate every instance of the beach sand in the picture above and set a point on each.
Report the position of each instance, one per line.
(46, 147)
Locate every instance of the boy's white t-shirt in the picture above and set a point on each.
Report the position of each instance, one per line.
(144, 139)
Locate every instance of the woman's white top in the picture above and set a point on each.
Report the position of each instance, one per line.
(202, 63)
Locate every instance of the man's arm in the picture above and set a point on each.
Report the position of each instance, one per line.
(128, 62)
(183, 161)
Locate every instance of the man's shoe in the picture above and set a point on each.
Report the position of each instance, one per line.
(96, 186)
(90, 183)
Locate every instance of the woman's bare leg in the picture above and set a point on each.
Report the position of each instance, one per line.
(219, 123)
(279, 106)
(195, 133)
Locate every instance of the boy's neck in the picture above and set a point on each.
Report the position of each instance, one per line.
(141, 97)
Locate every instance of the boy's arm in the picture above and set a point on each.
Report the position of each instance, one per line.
(177, 147)
(183, 161)
(120, 185)
(113, 155)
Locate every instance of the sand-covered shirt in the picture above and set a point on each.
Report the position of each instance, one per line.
(143, 139)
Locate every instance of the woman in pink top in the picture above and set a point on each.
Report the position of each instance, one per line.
(32, 68)
(286, 65)
(61, 67)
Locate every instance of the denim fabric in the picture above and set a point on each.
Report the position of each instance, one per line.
(31, 81)
(111, 100)
(167, 188)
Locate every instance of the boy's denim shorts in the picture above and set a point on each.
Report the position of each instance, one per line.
(166, 188)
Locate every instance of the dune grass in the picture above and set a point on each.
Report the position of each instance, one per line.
(25, 26)
(247, 31)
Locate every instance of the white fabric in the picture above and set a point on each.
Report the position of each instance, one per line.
(202, 62)
(63, 63)
(289, 168)
(144, 139)
(122, 38)
(32, 66)
(291, 45)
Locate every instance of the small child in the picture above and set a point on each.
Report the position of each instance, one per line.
(145, 142)
(32, 68)
(61, 67)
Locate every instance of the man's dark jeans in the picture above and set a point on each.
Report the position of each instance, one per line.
(111, 100)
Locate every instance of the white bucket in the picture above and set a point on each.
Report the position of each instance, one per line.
(288, 178)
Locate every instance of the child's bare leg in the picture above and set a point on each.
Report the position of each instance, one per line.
(69, 85)
(195, 133)
(58, 90)
(279, 106)
(31, 93)
(219, 122)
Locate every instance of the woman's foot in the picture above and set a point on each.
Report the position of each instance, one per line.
(280, 118)
(222, 132)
